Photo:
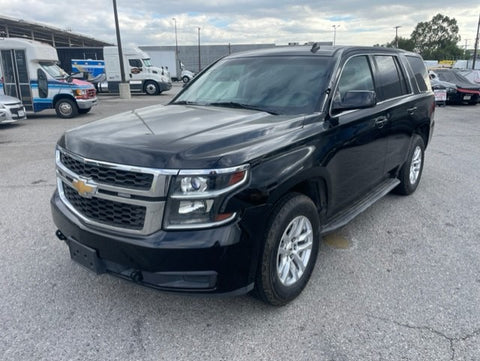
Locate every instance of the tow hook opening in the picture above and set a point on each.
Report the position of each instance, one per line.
(60, 235)
(136, 276)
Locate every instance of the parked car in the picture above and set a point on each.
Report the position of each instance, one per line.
(229, 187)
(472, 75)
(11, 109)
(459, 89)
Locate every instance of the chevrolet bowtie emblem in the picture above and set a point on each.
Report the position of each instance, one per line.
(84, 189)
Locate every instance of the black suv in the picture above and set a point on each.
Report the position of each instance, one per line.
(229, 187)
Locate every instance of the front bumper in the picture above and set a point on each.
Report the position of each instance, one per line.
(217, 260)
(164, 86)
(12, 114)
(86, 103)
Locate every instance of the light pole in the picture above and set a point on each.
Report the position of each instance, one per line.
(396, 35)
(476, 44)
(177, 59)
(335, 33)
(199, 61)
(124, 87)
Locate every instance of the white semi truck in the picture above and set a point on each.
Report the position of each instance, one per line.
(139, 72)
(29, 71)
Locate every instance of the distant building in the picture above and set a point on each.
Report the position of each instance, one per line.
(18, 28)
(188, 54)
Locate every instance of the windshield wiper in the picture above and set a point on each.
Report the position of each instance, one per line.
(186, 102)
(242, 106)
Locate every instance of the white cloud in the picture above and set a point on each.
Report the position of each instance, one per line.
(149, 22)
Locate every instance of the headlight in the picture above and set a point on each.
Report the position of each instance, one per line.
(2, 106)
(451, 90)
(196, 198)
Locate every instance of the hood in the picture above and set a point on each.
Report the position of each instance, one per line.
(82, 83)
(459, 80)
(183, 136)
(6, 99)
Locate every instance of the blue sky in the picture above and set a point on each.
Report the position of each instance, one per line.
(150, 22)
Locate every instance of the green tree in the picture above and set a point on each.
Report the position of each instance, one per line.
(437, 39)
(403, 43)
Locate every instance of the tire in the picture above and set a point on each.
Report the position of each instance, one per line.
(66, 108)
(84, 111)
(185, 79)
(152, 88)
(280, 277)
(411, 171)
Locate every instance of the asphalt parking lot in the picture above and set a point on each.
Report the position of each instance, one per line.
(400, 282)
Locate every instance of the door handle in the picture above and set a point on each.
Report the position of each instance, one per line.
(380, 121)
(411, 110)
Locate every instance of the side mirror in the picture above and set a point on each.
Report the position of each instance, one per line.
(355, 99)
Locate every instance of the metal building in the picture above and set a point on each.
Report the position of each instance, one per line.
(18, 28)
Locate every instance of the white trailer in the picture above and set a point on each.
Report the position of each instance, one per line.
(168, 60)
(139, 72)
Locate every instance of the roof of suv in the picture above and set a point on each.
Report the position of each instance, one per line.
(323, 50)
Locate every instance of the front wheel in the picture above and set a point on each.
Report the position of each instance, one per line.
(66, 108)
(152, 88)
(290, 250)
(185, 79)
(411, 171)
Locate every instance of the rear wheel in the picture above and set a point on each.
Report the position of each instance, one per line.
(66, 108)
(185, 79)
(290, 250)
(411, 171)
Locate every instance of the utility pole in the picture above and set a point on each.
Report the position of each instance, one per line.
(177, 59)
(199, 61)
(124, 87)
(476, 44)
(396, 35)
(335, 33)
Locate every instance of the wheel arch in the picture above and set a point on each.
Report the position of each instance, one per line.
(61, 96)
(424, 132)
(314, 186)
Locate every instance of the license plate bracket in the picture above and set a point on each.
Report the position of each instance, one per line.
(85, 256)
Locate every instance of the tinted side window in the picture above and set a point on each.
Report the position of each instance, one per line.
(421, 75)
(356, 75)
(390, 80)
(137, 63)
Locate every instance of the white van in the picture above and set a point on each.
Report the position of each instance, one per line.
(139, 72)
(29, 71)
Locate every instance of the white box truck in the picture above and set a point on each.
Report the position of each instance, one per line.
(139, 72)
(29, 71)
(169, 61)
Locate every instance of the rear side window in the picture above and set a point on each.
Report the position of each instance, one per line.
(421, 75)
(390, 80)
(356, 75)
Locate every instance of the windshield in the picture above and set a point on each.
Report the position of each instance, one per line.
(54, 70)
(147, 62)
(451, 76)
(280, 85)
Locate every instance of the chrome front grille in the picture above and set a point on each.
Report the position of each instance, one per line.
(105, 175)
(91, 93)
(121, 198)
(107, 212)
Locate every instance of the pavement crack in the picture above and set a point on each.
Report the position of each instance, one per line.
(451, 340)
(470, 335)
